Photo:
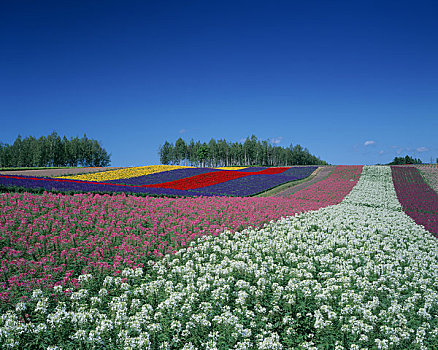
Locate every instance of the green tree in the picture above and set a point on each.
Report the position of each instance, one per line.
(203, 153)
(59, 156)
(74, 151)
(165, 153)
(405, 160)
(223, 150)
(191, 154)
(100, 157)
(180, 151)
(15, 152)
(53, 151)
(3, 155)
(213, 152)
(223, 153)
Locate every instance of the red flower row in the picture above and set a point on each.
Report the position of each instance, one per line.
(213, 178)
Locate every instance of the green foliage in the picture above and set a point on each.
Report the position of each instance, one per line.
(222, 153)
(166, 153)
(52, 151)
(203, 153)
(405, 160)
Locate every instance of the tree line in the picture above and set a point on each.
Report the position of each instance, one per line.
(406, 160)
(221, 153)
(53, 151)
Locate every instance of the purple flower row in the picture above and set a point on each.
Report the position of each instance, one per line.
(253, 184)
(252, 169)
(244, 186)
(418, 200)
(85, 186)
(172, 175)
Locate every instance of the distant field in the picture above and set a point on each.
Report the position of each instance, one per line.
(160, 180)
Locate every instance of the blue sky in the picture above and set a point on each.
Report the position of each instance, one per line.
(356, 82)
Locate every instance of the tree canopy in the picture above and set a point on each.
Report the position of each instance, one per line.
(405, 160)
(218, 153)
(53, 151)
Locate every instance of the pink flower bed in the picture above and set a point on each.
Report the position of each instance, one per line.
(331, 190)
(52, 239)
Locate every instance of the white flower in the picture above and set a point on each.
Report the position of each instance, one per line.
(103, 292)
(81, 294)
(85, 278)
(42, 305)
(189, 346)
(36, 294)
(21, 306)
(58, 288)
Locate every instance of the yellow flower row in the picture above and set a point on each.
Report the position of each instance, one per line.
(124, 173)
(232, 167)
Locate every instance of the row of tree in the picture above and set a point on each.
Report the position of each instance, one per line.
(53, 151)
(224, 153)
(406, 160)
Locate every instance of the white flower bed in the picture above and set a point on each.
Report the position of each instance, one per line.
(359, 275)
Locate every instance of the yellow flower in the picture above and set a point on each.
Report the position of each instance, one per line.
(232, 167)
(124, 173)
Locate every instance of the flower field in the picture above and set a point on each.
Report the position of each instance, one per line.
(162, 177)
(418, 200)
(67, 185)
(167, 180)
(124, 173)
(52, 239)
(352, 271)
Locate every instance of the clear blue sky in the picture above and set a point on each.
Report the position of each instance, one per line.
(356, 82)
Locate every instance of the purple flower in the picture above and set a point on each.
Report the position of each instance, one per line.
(84, 186)
(164, 176)
(253, 184)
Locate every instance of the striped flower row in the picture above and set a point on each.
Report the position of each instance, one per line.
(417, 198)
(176, 182)
(124, 173)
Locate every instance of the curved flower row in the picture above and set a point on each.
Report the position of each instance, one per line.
(124, 173)
(66, 185)
(253, 184)
(51, 239)
(293, 173)
(329, 189)
(232, 168)
(213, 178)
(416, 197)
(162, 177)
(358, 275)
(127, 173)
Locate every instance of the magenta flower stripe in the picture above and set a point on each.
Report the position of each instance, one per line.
(416, 197)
